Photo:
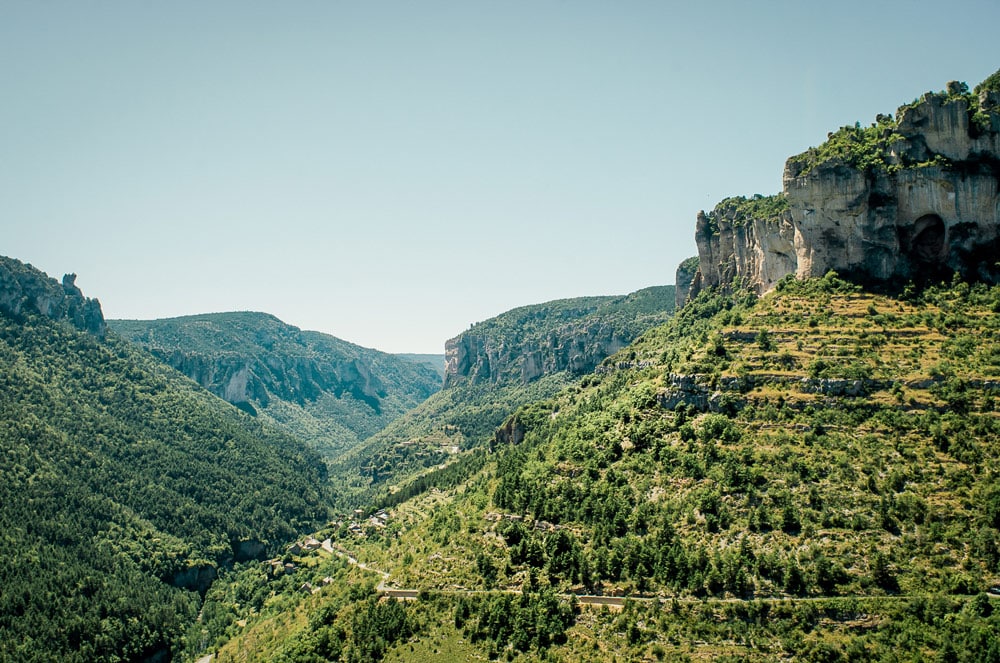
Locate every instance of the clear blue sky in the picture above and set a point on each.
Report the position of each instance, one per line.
(390, 172)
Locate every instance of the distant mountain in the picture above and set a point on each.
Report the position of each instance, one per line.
(434, 361)
(123, 486)
(327, 392)
(526, 354)
(25, 290)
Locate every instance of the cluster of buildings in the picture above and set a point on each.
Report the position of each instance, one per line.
(356, 525)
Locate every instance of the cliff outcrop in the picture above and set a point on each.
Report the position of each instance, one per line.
(911, 198)
(24, 289)
(570, 347)
(684, 277)
(573, 335)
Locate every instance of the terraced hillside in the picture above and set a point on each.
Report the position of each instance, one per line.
(812, 475)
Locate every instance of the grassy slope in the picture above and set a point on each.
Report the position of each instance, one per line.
(787, 521)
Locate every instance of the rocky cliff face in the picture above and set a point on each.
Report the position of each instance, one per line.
(684, 277)
(577, 349)
(572, 335)
(242, 378)
(24, 289)
(909, 198)
(741, 240)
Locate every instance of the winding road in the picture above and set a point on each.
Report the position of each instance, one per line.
(596, 599)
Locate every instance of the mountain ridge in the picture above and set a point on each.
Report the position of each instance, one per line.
(329, 392)
(572, 335)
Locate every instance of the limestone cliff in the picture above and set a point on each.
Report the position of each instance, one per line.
(910, 198)
(24, 289)
(566, 335)
(686, 272)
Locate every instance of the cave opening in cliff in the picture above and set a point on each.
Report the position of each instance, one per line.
(927, 247)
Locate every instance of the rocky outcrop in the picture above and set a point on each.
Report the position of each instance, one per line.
(510, 433)
(575, 335)
(24, 289)
(248, 549)
(684, 277)
(910, 199)
(737, 243)
(249, 378)
(577, 349)
(196, 578)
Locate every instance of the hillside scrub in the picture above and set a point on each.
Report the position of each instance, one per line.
(807, 474)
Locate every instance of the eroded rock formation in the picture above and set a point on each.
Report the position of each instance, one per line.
(913, 198)
(24, 289)
(490, 358)
(684, 277)
(572, 335)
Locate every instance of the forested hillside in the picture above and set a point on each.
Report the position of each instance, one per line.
(565, 335)
(327, 392)
(523, 355)
(123, 489)
(809, 476)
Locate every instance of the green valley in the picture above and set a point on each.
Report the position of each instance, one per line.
(791, 467)
(794, 454)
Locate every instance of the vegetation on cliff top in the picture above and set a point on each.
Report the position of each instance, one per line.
(991, 83)
(870, 148)
(864, 148)
(740, 210)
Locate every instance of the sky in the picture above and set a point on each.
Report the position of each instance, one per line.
(391, 172)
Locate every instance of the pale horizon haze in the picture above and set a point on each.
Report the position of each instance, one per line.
(391, 172)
